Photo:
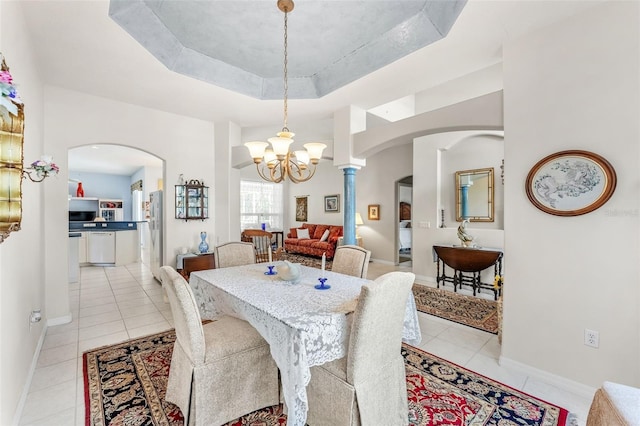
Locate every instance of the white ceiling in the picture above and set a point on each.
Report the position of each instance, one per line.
(79, 47)
(201, 39)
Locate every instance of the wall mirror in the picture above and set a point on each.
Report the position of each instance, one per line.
(474, 195)
(11, 140)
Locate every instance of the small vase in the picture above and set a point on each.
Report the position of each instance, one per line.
(80, 190)
(203, 247)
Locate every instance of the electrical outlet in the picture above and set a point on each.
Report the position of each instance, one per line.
(591, 338)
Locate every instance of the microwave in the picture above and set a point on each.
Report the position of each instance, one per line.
(75, 216)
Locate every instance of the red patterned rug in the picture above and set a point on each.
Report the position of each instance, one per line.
(125, 385)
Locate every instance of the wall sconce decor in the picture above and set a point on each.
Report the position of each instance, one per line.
(43, 168)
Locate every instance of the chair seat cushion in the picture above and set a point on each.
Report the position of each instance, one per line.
(337, 367)
(237, 335)
(307, 243)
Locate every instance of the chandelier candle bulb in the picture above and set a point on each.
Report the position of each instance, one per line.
(324, 260)
(270, 256)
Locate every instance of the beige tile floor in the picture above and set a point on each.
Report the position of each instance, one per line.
(112, 304)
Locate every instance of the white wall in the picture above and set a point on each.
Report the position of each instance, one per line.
(328, 180)
(22, 288)
(574, 85)
(472, 151)
(376, 184)
(97, 120)
(433, 190)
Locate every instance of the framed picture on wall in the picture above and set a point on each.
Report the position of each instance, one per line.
(570, 183)
(301, 209)
(374, 212)
(332, 203)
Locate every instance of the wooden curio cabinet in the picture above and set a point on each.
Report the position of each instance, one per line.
(192, 201)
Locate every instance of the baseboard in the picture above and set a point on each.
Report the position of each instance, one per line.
(552, 379)
(27, 385)
(424, 280)
(65, 319)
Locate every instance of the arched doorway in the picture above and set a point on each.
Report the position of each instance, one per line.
(404, 201)
(118, 177)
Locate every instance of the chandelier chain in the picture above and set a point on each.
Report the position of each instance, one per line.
(280, 163)
(286, 83)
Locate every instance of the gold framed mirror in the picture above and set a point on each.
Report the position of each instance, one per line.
(475, 195)
(11, 166)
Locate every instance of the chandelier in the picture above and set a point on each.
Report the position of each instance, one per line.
(277, 163)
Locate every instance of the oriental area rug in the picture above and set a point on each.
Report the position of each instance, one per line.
(468, 310)
(125, 385)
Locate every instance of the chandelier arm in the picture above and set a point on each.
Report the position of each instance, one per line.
(300, 174)
(261, 172)
(274, 177)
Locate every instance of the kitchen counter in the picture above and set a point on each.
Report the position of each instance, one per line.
(107, 243)
(103, 226)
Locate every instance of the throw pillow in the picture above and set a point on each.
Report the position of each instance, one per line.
(303, 234)
(311, 227)
(325, 235)
(293, 232)
(317, 234)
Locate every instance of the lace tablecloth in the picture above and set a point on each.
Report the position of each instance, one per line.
(304, 326)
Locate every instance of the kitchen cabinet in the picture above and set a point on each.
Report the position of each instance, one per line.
(101, 247)
(82, 248)
(192, 201)
(127, 247)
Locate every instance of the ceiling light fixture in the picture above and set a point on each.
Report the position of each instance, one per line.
(278, 163)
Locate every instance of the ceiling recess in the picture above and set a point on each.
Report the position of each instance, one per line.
(237, 44)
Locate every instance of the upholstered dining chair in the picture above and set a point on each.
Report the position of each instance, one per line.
(234, 253)
(351, 260)
(262, 243)
(220, 370)
(368, 385)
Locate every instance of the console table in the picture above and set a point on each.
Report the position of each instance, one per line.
(467, 264)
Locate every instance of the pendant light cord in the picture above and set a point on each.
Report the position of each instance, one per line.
(286, 84)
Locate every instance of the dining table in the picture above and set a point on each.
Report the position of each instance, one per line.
(303, 325)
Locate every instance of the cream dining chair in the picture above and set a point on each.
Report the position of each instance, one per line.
(235, 253)
(368, 385)
(220, 370)
(351, 260)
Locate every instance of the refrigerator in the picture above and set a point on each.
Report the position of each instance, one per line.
(155, 233)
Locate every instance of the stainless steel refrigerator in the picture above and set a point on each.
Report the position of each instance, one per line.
(155, 230)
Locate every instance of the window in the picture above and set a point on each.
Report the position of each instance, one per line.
(261, 202)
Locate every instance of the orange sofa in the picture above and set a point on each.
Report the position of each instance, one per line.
(313, 246)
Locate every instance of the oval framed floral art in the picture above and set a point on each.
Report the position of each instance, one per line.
(571, 183)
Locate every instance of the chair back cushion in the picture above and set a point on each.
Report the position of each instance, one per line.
(376, 333)
(186, 316)
(351, 260)
(235, 254)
